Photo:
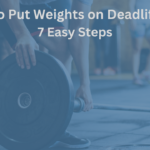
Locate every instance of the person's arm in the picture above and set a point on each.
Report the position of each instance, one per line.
(79, 47)
(25, 43)
(132, 4)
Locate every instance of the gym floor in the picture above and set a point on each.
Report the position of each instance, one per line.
(113, 130)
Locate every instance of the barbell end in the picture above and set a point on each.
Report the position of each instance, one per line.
(79, 105)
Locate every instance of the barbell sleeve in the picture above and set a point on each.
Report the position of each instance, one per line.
(79, 105)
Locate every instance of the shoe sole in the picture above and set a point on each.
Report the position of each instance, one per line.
(64, 145)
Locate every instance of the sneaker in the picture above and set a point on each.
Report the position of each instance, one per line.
(97, 71)
(146, 75)
(109, 72)
(138, 81)
(71, 141)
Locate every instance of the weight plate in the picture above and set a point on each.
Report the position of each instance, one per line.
(36, 105)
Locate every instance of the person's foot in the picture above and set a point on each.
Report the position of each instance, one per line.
(71, 141)
(138, 81)
(97, 71)
(146, 75)
(109, 72)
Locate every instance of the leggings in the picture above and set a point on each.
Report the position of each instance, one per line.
(109, 47)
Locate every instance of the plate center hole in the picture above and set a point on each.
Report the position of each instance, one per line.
(24, 100)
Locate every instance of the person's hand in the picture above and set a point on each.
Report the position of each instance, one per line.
(25, 51)
(84, 92)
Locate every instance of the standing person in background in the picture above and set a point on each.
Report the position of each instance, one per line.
(106, 45)
(139, 29)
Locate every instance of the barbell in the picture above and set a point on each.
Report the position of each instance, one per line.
(36, 105)
(79, 107)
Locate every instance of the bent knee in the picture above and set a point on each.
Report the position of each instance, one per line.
(61, 45)
(55, 44)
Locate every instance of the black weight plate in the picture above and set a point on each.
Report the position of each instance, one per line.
(36, 105)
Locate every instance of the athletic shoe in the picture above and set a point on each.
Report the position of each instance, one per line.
(97, 71)
(138, 81)
(71, 141)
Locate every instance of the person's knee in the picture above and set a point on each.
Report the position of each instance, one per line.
(61, 46)
(57, 46)
(62, 52)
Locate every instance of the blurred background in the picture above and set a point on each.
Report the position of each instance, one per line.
(119, 72)
(120, 44)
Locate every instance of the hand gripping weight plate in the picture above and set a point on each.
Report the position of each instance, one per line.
(36, 105)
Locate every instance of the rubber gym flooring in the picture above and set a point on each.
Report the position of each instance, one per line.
(115, 130)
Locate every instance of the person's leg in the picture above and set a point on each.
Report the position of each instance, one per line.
(98, 48)
(146, 72)
(106, 48)
(106, 44)
(137, 46)
(6, 49)
(147, 69)
(114, 48)
(58, 47)
(108, 70)
(97, 52)
(137, 40)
